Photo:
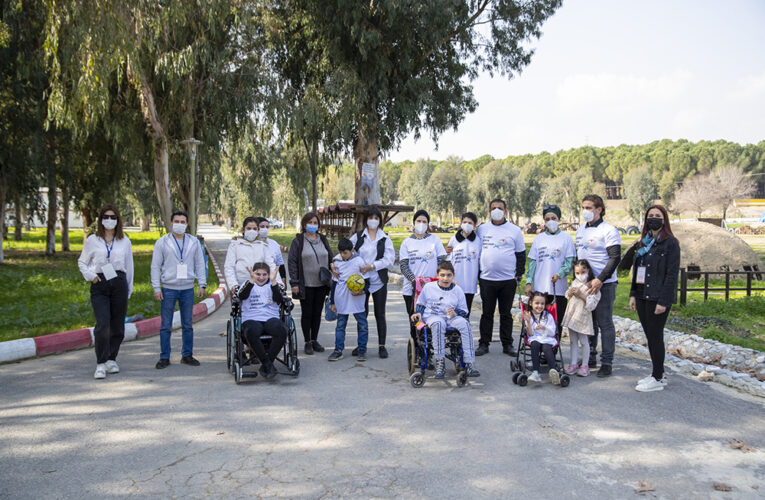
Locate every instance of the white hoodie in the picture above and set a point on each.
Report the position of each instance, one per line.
(243, 254)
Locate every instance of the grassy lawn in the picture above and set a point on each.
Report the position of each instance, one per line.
(49, 295)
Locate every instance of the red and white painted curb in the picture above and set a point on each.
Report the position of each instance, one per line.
(43, 345)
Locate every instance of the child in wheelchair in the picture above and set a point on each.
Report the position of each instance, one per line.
(260, 316)
(442, 304)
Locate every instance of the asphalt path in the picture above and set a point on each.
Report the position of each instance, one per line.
(352, 429)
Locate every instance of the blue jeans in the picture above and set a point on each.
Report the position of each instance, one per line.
(185, 299)
(361, 321)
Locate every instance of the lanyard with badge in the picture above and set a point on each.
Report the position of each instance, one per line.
(108, 268)
(181, 270)
(640, 274)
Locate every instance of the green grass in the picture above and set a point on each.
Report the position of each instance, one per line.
(48, 294)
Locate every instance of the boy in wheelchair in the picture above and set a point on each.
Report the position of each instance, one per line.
(442, 304)
(260, 316)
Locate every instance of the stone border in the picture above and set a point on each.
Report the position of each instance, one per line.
(14, 350)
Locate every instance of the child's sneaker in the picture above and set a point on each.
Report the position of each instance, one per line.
(572, 368)
(440, 368)
(554, 376)
(534, 377)
(336, 355)
(362, 356)
(471, 371)
(583, 371)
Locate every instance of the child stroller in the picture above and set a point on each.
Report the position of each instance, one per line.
(520, 366)
(419, 352)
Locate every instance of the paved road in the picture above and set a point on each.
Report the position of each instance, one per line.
(359, 430)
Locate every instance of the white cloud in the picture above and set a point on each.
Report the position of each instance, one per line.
(606, 92)
(748, 88)
(688, 121)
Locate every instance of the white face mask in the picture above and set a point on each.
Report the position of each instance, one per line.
(109, 223)
(263, 232)
(179, 228)
(467, 228)
(588, 215)
(420, 228)
(552, 225)
(497, 214)
(373, 223)
(250, 235)
(582, 277)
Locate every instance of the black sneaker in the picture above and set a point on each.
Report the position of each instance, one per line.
(189, 360)
(482, 349)
(336, 355)
(355, 351)
(605, 371)
(162, 363)
(362, 356)
(383, 352)
(508, 349)
(317, 347)
(309, 348)
(267, 370)
(471, 371)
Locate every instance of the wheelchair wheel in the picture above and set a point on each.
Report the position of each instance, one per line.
(411, 359)
(462, 378)
(523, 379)
(237, 372)
(417, 380)
(565, 380)
(229, 342)
(515, 377)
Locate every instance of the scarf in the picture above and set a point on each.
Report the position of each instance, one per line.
(647, 242)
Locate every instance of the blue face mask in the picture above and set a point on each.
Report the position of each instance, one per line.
(311, 228)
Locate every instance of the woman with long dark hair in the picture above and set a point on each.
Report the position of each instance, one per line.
(308, 264)
(654, 288)
(107, 262)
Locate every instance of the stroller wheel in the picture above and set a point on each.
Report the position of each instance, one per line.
(565, 380)
(417, 380)
(523, 379)
(462, 378)
(515, 377)
(237, 372)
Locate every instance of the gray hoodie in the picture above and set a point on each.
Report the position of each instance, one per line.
(166, 258)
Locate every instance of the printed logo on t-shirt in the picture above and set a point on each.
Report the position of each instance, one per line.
(589, 242)
(500, 242)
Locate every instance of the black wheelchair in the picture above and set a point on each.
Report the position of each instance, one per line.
(239, 355)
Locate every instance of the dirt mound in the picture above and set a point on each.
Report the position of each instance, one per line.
(713, 248)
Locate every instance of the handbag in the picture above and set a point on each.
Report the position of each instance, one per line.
(328, 314)
(325, 275)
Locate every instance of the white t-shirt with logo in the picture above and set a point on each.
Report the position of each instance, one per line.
(465, 259)
(423, 254)
(499, 246)
(344, 301)
(436, 300)
(550, 251)
(592, 242)
(260, 305)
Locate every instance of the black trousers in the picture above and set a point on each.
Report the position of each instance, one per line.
(311, 307)
(379, 298)
(110, 301)
(469, 300)
(561, 302)
(491, 293)
(409, 302)
(536, 347)
(653, 326)
(252, 331)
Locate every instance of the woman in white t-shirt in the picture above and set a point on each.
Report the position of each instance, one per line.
(464, 251)
(550, 258)
(419, 257)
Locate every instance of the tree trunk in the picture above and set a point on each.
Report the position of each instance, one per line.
(366, 156)
(65, 219)
(50, 240)
(145, 223)
(17, 225)
(3, 191)
(87, 220)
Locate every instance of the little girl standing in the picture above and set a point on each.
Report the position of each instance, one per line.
(578, 318)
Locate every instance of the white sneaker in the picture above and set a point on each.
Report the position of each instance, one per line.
(534, 377)
(100, 371)
(644, 381)
(554, 376)
(651, 386)
(112, 366)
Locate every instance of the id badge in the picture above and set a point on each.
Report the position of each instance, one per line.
(640, 276)
(109, 272)
(181, 271)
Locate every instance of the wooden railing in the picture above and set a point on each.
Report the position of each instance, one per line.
(753, 275)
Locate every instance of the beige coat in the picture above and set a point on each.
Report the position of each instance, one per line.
(578, 315)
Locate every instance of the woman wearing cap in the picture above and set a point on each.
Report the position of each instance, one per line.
(464, 251)
(376, 248)
(419, 257)
(550, 259)
(107, 262)
(244, 252)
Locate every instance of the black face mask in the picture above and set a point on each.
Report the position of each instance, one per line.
(654, 223)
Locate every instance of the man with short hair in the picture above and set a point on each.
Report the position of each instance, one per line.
(600, 243)
(178, 259)
(503, 260)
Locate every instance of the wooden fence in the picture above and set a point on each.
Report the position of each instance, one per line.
(753, 275)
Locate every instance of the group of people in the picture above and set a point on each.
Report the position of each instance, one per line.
(490, 257)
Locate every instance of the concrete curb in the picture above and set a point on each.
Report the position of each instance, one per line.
(14, 350)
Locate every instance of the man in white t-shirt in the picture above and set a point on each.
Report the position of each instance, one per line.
(503, 260)
(600, 243)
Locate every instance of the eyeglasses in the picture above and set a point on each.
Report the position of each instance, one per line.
(112, 217)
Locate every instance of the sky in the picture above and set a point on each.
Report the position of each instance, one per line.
(610, 72)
